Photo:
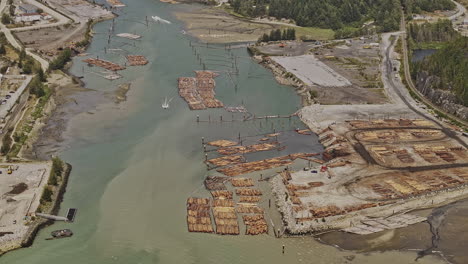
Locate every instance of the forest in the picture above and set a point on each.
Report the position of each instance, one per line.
(450, 64)
(345, 15)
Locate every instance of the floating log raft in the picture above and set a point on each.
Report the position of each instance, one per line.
(262, 164)
(248, 208)
(249, 199)
(199, 92)
(198, 215)
(221, 194)
(248, 192)
(227, 160)
(215, 183)
(222, 143)
(136, 60)
(255, 224)
(104, 64)
(226, 220)
(247, 149)
(242, 182)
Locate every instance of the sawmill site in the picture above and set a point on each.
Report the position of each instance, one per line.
(375, 171)
(237, 194)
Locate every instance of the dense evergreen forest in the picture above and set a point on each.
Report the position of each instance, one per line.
(345, 16)
(450, 64)
(440, 31)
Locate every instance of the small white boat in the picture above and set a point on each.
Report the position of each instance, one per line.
(165, 104)
(158, 19)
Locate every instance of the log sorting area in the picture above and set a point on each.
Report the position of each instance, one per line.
(373, 169)
(236, 198)
(198, 91)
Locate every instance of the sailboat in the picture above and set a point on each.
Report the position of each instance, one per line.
(165, 104)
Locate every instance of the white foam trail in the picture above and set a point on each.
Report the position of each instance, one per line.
(158, 19)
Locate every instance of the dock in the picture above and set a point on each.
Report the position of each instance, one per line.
(104, 64)
(128, 36)
(71, 214)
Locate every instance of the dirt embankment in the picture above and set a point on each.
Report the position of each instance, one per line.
(214, 25)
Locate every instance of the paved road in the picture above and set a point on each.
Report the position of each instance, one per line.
(460, 12)
(61, 21)
(4, 109)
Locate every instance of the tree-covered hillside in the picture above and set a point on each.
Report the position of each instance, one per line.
(338, 14)
(450, 64)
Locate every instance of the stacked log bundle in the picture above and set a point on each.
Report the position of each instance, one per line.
(248, 192)
(104, 64)
(248, 208)
(226, 220)
(136, 60)
(255, 224)
(222, 143)
(198, 215)
(249, 199)
(242, 182)
(221, 194)
(198, 91)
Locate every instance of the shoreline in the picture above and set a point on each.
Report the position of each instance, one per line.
(50, 111)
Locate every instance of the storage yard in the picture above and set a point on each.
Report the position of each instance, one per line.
(374, 168)
(20, 192)
(198, 91)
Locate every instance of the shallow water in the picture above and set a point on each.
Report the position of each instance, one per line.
(135, 164)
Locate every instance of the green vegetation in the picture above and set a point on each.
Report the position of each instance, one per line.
(56, 171)
(6, 142)
(46, 195)
(6, 19)
(440, 31)
(276, 34)
(417, 6)
(334, 14)
(61, 60)
(450, 64)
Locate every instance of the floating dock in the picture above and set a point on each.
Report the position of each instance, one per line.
(129, 36)
(104, 64)
(71, 214)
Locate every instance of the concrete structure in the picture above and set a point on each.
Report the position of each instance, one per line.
(27, 8)
(28, 17)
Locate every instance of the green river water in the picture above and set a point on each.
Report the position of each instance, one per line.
(135, 164)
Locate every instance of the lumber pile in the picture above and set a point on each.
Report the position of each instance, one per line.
(198, 215)
(255, 224)
(247, 149)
